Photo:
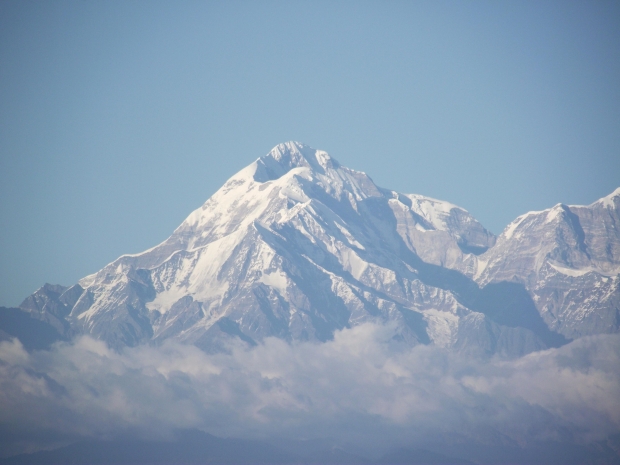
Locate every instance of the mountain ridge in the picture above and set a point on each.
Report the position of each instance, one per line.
(298, 246)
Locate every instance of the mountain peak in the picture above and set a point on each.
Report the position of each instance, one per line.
(289, 155)
(296, 246)
(290, 148)
(610, 200)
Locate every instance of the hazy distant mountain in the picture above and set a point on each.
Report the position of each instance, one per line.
(297, 246)
(196, 447)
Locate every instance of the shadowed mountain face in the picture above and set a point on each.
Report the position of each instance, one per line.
(297, 246)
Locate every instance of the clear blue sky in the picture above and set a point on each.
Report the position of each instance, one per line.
(118, 118)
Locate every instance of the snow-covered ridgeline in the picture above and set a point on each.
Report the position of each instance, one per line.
(297, 246)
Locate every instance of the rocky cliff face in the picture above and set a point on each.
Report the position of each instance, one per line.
(297, 246)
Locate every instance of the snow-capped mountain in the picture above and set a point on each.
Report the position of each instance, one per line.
(568, 257)
(297, 246)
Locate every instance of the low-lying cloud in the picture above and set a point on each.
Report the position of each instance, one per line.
(359, 388)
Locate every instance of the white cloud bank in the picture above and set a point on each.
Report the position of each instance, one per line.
(358, 388)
